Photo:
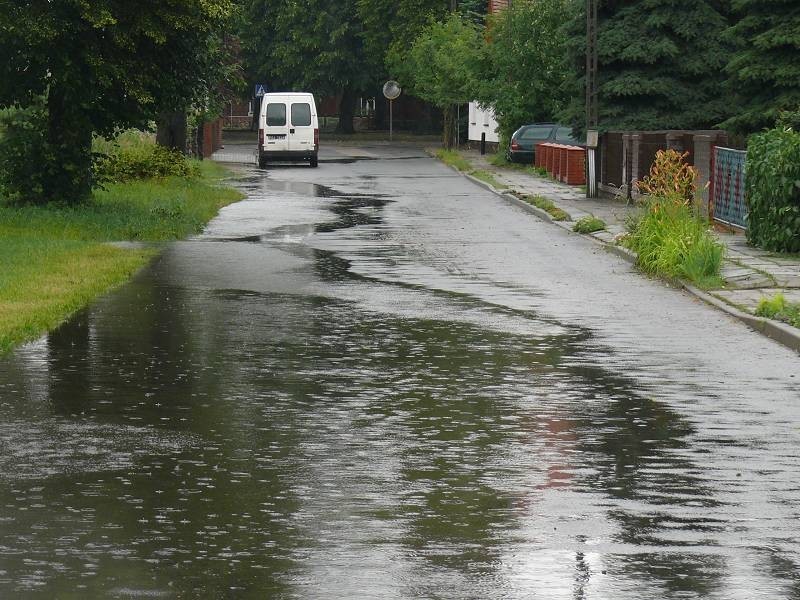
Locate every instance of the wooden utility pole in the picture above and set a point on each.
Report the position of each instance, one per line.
(592, 100)
(592, 112)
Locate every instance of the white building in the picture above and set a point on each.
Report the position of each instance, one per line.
(481, 120)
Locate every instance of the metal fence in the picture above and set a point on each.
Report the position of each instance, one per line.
(728, 203)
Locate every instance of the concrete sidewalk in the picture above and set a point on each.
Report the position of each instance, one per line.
(750, 274)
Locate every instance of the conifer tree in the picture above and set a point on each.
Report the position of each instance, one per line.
(661, 65)
(765, 69)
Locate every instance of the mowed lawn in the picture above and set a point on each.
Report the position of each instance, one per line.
(54, 260)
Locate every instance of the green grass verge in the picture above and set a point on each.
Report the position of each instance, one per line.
(546, 205)
(777, 307)
(53, 259)
(487, 177)
(454, 159)
(589, 225)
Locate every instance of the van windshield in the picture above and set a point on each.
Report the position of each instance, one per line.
(301, 114)
(276, 115)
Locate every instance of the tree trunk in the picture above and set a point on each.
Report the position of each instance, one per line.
(68, 160)
(346, 112)
(447, 126)
(171, 131)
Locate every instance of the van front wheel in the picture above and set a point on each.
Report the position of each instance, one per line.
(314, 162)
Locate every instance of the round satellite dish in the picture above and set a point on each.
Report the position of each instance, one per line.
(391, 90)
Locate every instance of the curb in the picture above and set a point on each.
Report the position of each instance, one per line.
(780, 332)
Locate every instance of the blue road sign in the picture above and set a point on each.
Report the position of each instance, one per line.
(261, 89)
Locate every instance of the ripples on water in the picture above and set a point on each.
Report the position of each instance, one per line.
(269, 422)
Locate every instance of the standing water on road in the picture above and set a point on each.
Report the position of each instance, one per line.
(377, 380)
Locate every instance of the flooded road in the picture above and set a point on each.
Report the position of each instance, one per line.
(377, 380)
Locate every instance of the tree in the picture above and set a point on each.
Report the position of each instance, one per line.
(661, 65)
(765, 68)
(442, 64)
(315, 46)
(100, 65)
(522, 75)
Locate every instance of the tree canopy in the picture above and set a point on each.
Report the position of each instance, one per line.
(661, 65)
(316, 46)
(523, 71)
(765, 68)
(102, 65)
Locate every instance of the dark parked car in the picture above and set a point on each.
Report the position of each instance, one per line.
(522, 147)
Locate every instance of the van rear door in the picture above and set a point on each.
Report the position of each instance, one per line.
(301, 138)
(276, 127)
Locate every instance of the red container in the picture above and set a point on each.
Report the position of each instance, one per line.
(539, 159)
(574, 166)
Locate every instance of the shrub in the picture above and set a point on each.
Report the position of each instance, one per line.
(772, 183)
(23, 146)
(670, 176)
(135, 155)
(589, 225)
(673, 240)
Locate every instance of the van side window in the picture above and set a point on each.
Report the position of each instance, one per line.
(301, 114)
(276, 114)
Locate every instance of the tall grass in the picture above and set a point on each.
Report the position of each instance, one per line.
(673, 240)
(777, 307)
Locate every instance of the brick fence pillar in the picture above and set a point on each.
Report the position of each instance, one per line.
(702, 162)
(675, 142)
(636, 166)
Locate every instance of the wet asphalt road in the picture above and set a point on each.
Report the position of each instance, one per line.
(377, 380)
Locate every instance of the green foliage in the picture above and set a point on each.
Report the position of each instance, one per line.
(391, 26)
(23, 148)
(672, 240)
(441, 66)
(661, 65)
(765, 67)
(772, 180)
(105, 64)
(134, 155)
(522, 75)
(589, 224)
(670, 176)
(316, 46)
(777, 307)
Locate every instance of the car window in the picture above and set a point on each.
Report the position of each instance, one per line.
(537, 132)
(276, 114)
(564, 134)
(301, 114)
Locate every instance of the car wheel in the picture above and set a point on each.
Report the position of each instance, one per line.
(314, 162)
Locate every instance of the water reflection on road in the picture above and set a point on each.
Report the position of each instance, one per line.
(377, 381)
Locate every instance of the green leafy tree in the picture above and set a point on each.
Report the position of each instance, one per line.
(100, 65)
(522, 75)
(315, 46)
(661, 65)
(765, 68)
(442, 65)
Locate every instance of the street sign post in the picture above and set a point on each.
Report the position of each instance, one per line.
(391, 91)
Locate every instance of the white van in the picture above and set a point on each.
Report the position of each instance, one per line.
(288, 128)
